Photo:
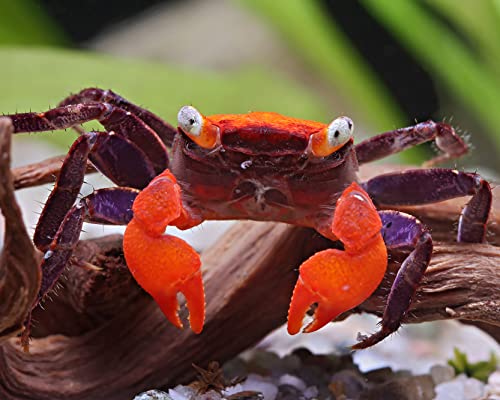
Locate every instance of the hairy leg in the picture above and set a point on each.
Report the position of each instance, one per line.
(423, 186)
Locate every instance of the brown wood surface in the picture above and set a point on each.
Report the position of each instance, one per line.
(103, 338)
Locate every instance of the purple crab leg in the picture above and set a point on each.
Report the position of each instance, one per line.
(392, 142)
(111, 206)
(422, 186)
(111, 117)
(401, 231)
(164, 130)
(121, 160)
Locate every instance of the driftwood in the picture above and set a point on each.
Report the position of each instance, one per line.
(103, 338)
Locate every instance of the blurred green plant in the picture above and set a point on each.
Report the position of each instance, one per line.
(23, 22)
(464, 61)
(326, 49)
(40, 78)
(480, 370)
(471, 74)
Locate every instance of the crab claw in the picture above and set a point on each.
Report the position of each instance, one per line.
(164, 265)
(336, 280)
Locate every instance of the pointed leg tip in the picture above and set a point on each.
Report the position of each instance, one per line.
(365, 341)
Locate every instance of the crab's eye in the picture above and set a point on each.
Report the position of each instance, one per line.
(199, 128)
(190, 120)
(332, 138)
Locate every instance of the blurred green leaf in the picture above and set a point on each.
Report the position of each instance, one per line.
(327, 50)
(480, 22)
(40, 78)
(23, 22)
(459, 362)
(445, 56)
(480, 370)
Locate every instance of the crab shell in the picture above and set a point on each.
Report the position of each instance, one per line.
(262, 168)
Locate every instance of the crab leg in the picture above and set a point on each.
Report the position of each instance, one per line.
(97, 146)
(340, 280)
(111, 206)
(413, 187)
(111, 117)
(165, 265)
(401, 231)
(105, 206)
(164, 130)
(392, 142)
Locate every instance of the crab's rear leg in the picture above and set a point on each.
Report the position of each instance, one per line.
(340, 280)
(104, 206)
(111, 150)
(164, 130)
(113, 118)
(403, 232)
(162, 264)
(423, 186)
(392, 142)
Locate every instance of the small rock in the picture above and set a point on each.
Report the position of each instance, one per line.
(494, 380)
(289, 392)
(292, 380)
(313, 375)
(260, 384)
(311, 392)
(291, 363)
(442, 373)
(379, 375)
(348, 382)
(234, 368)
(265, 361)
(451, 390)
(210, 395)
(420, 387)
(153, 395)
(473, 389)
(181, 392)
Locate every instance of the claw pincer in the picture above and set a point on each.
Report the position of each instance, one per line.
(164, 265)
(339, 280)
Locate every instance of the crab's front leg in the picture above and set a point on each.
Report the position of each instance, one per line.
(338, 280)
(165, 265)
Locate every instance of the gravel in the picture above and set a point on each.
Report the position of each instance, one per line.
(302, 375)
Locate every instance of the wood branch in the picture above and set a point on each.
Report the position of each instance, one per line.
(19, 271)
(123, 344)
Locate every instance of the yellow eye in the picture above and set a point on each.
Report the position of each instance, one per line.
(331, 138)
(197, 127)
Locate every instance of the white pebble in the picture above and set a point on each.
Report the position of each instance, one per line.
(181, 392)
(311, 392)
(292, 380)
(494, 380)
(232, 390)
(452, 390)
(473, 389)
(153, 395)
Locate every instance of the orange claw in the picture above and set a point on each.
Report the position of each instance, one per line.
(164, 265)
(338, 280)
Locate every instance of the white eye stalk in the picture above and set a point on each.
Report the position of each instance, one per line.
(199, 128)
(190, 120)
(339, 132)
(332, 137)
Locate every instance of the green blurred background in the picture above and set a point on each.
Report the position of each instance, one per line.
(384, 63)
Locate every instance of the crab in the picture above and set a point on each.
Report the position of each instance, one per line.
(259, 166)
